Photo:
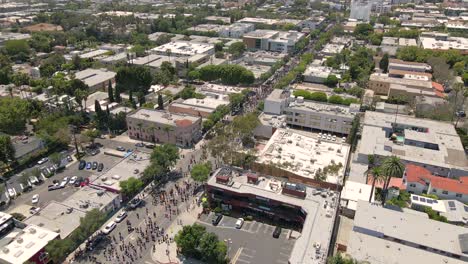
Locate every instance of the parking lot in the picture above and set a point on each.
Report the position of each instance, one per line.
(253, 243)
(45, 196)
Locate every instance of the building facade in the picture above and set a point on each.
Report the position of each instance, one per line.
(164, 127)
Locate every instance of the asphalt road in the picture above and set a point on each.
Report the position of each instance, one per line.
(253, 243)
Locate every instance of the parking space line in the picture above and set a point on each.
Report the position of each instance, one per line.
(241, 260)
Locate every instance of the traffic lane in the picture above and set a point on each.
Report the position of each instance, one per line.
(253, 243)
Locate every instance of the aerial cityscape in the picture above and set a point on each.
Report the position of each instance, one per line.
(233, 131)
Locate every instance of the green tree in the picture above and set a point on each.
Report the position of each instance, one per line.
(7, 150)
(391, 167)
(165, 156)
(383, 65)
(237, 48)
(219, 46)
(331, 80)
(376, 177)
(188, 240)
(363, 30)
(17, 47)
(110, 92)
(160, 102)
(200, 172)
(55, 158)
(338, 259)
(212, 250)
(335, 99)
(13, 115)
(131, 186)
(139, 50)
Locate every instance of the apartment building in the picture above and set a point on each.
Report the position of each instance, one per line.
(410, 86)
(395, 64)
(96, 79)
(419, 180)
(455, 211)
(236, 30)
(311, 115)
(272, 40)
(385, 236)
(431, 144)
(164, 127)
(442, 41)
(183, 49)
(314, 210)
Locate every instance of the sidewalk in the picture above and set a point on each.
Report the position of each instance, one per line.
(186, 218)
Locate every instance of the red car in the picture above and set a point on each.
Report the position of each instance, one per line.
(85, 182)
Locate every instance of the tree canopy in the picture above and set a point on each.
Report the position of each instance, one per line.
(200, 172)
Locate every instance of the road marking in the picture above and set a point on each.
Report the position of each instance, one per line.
(284, 254)
(241, 260)
(246, 255)
(236, 256)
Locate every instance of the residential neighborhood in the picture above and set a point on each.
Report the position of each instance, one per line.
(239, 131)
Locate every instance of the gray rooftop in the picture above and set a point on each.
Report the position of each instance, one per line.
(161, 116)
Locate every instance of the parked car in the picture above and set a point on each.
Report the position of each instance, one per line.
(82, 165)
(150, 146)
(120, 217)
(73, 180)
(88, 165)
(277, 232)
(100, 166)
(217, 219)
(95, 165)
(42, 161)
(64, 182)
(35, 199)
(34, 210)
(84, 182)
(34, 180)
(120, 148)
(94, 152)
(11, 192)
(69, 158)
(109, 227)
(239, 223)
(139, 144)
(53, 187)
(78, 182)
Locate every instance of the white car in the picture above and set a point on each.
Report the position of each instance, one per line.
(11, 192)
(73, 179)
(64, 182)
(109, 227)
(43, 160)
(35, 199)
(120, 217)
(239, 223)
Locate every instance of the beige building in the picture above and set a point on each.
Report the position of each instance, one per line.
(164, 127)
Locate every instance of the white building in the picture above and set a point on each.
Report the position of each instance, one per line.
(360, 10)
(455, 211)
(386, 236)
(432, 144)
(96, 79)
(442, 41)
(317, 74)
(272, 40)
(183, 49)
(236, 30)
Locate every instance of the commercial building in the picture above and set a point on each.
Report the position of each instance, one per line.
(96, 79)
(196, 107)
(386, 236)
(331, 49)
(236, 30)
(311, 115)
(219, 91)
(419, 180)
(205, 28)
(23, 244)
(301, 158)
(455, 211)
(312, 209)
(409, 87)
(93, 53)
(351, 194)
(401, 65)
(183, 49)
(272, 40)
(360, 10)
(119, 57)
(164, 127)
(317, 73)
(431, 144)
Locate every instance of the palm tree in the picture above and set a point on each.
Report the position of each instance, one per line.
(370, 165)
(167, 129)
(391, 167)
(376, 176)
(457, 88)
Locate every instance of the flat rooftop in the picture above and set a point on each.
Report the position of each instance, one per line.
(161, 117)
(319, 204)
(325, 108)
(304, 155)
(220, 89)
(183, 48)
(122, 171)
(450, 43)
(88, 198)
(377, 128)
(332, 48)
(407, 227)
(261, 33)
(57, 217)
(206, 103)
(92, 77)
(93, 53)
(415, 80)
(22, 244)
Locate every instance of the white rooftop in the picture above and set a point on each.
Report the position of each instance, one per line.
(92, 77)
(24, 244)
(304, 155)
(376, 131)
(161, 117)
(183, 48)
(93, 53)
